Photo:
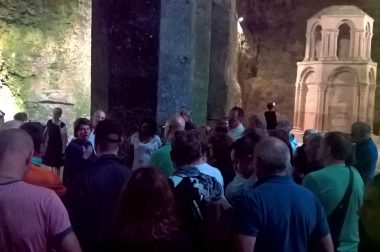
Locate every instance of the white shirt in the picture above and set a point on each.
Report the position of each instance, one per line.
(236, 133)
(91, 139)
(142, 152)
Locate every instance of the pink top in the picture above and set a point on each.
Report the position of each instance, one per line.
(30, 217)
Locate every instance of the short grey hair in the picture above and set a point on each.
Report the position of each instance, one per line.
(272, 154)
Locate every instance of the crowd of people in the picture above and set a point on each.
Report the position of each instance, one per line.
(239, 184)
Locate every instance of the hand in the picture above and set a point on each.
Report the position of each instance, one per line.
(87, 151)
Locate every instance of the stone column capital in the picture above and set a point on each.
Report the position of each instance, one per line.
(372, 88)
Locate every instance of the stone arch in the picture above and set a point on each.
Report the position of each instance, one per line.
(305, 75)
(341, 105)
(348, 22)
(307, 105)
(316, 41)
(344, 40)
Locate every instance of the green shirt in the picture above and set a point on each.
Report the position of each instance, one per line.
(370, 214)
(161, 159)
(329, 185)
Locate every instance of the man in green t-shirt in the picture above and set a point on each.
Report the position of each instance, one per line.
(330, 184)
(370, 217)
(161, 158)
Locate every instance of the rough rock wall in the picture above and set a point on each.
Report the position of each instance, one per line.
(275, 41)
(45, 59)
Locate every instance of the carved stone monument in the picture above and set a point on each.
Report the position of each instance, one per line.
(336, 81)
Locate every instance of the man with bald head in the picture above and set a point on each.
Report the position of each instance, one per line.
(32, 218)
(98, 116)
(161, 158)
(277, 215)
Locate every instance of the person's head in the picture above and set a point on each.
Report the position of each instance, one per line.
(335, 147)
(108, 136)
(270, 106)
(82, 129)
(99, 115)
(16, 151)
(284, 125)
(57, 113)
(186, 114)
(36, 132)
(307, 133)
(205, 129)
(312, 144)
(360, 131)
(221, 126)
(174, 124)
(148, 128)
(21, 116)
(283, 136)
(220, 147)
(147, 207)
(236, 117)
(255, 122)
(188, 147)
(242, 156)
(271, 157)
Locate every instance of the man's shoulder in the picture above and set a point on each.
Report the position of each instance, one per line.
(108, 166)
(34, 192)
(207, 166)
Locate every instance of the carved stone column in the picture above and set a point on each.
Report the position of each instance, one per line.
(297, 106)
(363, 102)
(320, 109)
(371, 104)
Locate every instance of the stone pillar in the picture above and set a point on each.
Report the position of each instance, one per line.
(131, 38)
(333, 44)
(371, 104)
(176, 52)
(363, 102)
(184, 58)
(309, 52)
(202, 33)
(320, 102)
(224, 90)
(324, 45)
(301, 111)
(99, 53)
(369, 46)
(355, 44)
(363, 46)
(296, 107)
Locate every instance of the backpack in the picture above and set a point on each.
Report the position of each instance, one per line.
(205, 213)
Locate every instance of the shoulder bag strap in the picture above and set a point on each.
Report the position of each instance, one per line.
(337, 217)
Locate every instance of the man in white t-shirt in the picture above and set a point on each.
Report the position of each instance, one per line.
(235, 123)
(98, 116)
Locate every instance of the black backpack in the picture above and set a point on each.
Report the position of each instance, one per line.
(206, 214)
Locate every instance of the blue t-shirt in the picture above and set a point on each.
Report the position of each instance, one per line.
(283, 216)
